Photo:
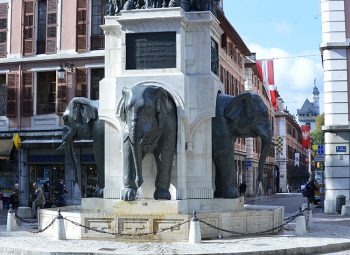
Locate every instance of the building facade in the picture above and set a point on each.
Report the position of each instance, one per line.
(37, 38)
(238, 72)
(290, 157)
(335, 54)
(309, 111)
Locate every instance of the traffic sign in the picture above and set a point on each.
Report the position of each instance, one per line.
(319, 158)
(320, 149)
(248, 163)
(340, 148)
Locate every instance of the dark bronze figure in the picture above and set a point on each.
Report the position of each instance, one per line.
(81, 122)
(114, 6)
(244, 116)
(151, 117)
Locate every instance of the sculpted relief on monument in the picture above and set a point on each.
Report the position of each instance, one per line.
(113, 7)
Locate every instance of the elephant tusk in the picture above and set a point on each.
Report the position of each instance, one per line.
(61, 146)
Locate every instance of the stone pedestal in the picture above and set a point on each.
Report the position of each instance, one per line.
(190, 81)
(24, 212)
(130, 220)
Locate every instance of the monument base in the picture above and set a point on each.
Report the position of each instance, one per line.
(138, 220)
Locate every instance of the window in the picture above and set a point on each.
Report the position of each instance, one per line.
(11, 100)
(82, 11)
(97, 19)
(43, 19)
(3, 95)
(96, 76)
(3, 30)
(46, 92)
(41, 40)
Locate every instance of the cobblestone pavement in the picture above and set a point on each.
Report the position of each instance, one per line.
(326, 233)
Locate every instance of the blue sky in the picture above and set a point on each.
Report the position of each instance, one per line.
(283, 29)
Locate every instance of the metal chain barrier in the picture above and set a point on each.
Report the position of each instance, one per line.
(21, 219)
(120, 234)
(32, 231)
(287, 220)
(269, 231)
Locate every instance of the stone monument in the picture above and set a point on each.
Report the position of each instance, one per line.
(176, 51)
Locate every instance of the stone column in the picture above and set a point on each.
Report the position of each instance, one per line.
(190, 81)
(335, 49)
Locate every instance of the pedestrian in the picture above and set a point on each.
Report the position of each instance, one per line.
(310, 188)
(39, 200)
(61, 191)
(242, 189)
(15, 196)
(288, 188)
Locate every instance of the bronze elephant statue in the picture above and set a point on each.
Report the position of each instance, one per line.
(81, 121)
(244, 116)
(150, 115)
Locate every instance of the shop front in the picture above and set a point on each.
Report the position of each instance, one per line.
(46, 170)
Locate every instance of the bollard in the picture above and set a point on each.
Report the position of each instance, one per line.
(310, 217)
(345, 210)
(194, 235)
(304, 206)
(300, 229)
(307, 213)
(11, 220)
(60, 232)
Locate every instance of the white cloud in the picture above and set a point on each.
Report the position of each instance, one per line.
(294, 76)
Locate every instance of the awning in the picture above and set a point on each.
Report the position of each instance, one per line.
(38, 141)
(5, 148)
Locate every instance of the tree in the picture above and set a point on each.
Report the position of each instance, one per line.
(317, 135)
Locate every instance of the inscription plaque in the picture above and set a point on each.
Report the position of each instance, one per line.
(151, 50)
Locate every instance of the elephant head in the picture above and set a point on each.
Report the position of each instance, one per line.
(148, 111)
(77, 125)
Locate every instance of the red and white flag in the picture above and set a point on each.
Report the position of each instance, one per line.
(266, 70)
(305, 133)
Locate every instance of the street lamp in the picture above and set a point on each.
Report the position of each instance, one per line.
(61, 72)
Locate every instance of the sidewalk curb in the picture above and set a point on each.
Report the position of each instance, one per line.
(289, 251)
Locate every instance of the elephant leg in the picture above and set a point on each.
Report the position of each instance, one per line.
(265, 147)
(164, 167)
(98, 148)
(130, 188)
(225, 170)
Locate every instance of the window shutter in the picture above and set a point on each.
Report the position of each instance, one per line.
(51, 26)
(27, 94)
(12, 81)
(82, 25)
(223, 40)
(61, 104)
(81, 82)
(3, 30)
(28, 28)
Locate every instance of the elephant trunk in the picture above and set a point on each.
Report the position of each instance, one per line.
(136, 149)
(68, 147)
(67, 143)
(67, 135)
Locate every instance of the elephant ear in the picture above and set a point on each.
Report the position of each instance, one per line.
(87, 111)
(162, 105)
(239, 110)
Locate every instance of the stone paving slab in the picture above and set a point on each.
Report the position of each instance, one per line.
(323, 236)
